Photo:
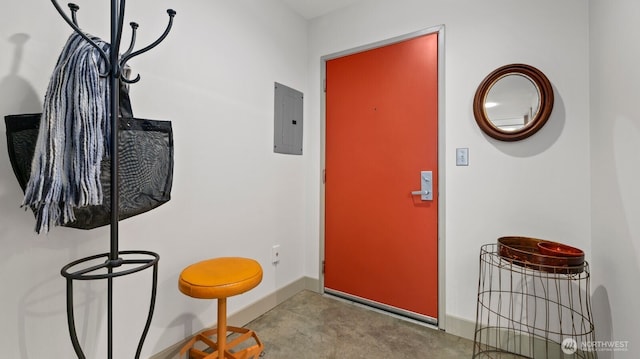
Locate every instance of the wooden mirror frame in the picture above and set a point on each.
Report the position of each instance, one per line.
(545, 92)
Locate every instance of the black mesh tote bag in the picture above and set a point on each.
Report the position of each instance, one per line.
(145, 168)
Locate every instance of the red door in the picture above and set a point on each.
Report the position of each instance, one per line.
(381, 241)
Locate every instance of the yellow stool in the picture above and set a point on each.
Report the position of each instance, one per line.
(221, 278)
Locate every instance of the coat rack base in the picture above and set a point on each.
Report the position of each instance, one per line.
(91, 268)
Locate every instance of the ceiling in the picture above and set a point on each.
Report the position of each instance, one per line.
(314, 8)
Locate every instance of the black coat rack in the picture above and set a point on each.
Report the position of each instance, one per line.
(116, 263)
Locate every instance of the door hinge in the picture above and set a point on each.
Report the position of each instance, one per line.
(324, 85)
(324, 176)
(322, 267)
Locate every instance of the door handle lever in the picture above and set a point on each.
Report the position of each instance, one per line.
(420, 193)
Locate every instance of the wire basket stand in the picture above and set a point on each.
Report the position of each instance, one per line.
(532, 311)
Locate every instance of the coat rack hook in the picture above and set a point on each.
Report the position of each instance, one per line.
(134, 28)
(74, 9)
(75, 27)
(127, 81)
(128, 56)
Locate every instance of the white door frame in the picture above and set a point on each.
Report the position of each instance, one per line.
(441, 153)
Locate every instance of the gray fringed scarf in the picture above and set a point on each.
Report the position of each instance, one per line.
(65, 172)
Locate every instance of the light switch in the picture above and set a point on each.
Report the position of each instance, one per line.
(462, 156)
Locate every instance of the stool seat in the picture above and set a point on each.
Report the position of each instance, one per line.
(220, 277)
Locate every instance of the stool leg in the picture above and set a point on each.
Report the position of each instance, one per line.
(222, 327)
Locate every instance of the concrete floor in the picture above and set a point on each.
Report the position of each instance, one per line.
(313, 326)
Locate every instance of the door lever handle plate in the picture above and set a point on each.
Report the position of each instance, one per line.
(426, 186)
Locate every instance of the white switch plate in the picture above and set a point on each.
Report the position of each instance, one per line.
(462, 156)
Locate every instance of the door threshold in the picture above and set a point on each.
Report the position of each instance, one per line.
(407, 315)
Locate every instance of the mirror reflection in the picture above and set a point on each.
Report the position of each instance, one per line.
(512, 102)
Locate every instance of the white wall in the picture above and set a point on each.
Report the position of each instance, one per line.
(615, 144)
(213, 77)
(537, 187)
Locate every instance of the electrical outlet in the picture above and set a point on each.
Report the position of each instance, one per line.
(275, 254)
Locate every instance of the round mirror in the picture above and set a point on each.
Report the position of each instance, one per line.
(513, 102)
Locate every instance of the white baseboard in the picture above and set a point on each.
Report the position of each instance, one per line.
(251, 312)
(460, 327)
